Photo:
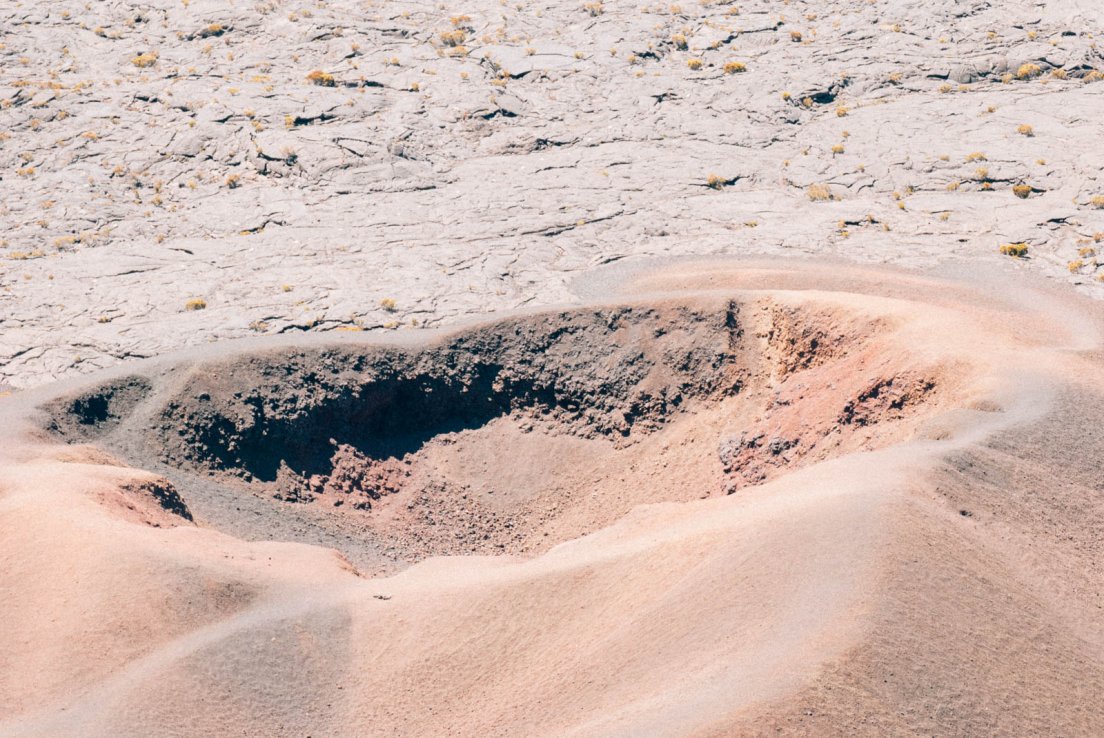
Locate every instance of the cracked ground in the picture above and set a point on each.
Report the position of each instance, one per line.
(176, 173)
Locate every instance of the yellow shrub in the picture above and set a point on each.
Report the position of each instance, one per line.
(145, 60)
(818, 192)
(1028, 71)
(1017, 250)
(453, 38)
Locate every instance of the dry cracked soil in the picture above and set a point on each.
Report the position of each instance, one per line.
(445, 161)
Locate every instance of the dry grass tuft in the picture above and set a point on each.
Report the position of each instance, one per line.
(1016, 250)
(322, 79)
(145, 60)
(25, 255)
(1021, 191)
(1028, 71)
(818, 192)
(453, 38)
(196, 303)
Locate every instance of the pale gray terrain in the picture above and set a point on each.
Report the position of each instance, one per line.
(476, 157)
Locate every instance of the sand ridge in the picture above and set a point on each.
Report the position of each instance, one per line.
(926, 576)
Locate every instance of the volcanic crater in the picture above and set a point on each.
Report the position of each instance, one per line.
(508, 437)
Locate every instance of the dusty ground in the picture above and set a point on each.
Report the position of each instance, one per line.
(475, 158)
(736, 498)
(845, 484)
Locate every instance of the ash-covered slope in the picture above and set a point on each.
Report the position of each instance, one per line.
(829, 552)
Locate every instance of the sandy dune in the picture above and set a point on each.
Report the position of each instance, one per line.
(730, 498)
